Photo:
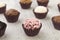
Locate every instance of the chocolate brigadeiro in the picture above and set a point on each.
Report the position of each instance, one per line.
(40, 12)
(58, 6)
(2, 7)
(12, 15)
(56, 22)
(32, 26)
(25, 4)
(43, 2)
(2, 28)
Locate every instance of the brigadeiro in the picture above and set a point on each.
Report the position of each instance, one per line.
(12, 15)
(25, 4)
(43, 2)
(2, 28)
(2, 7)
(56, 22)
(32, 26)
(58, 6)
(40, 12)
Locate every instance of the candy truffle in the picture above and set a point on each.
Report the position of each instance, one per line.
(56, 22)
(2, 28)
(43, 2)
(58, 7)
(2, 8)
(25, 4)
(12, 15)
(32, 26)
(40, 12)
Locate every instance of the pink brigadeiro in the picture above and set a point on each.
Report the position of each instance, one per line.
(32, 24)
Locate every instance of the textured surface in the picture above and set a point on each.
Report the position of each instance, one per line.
(15, 31)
